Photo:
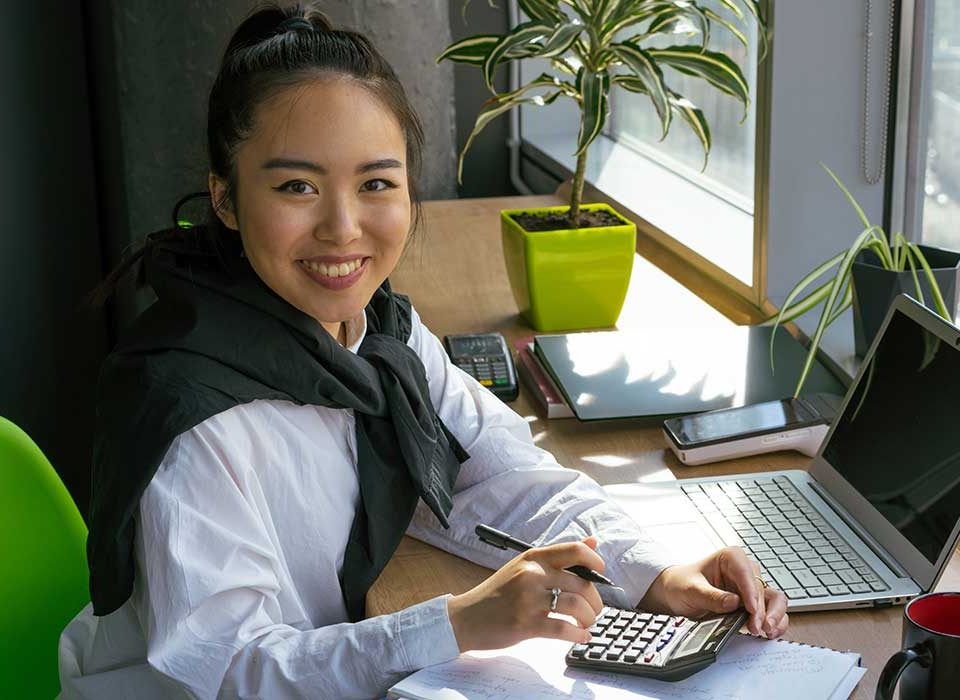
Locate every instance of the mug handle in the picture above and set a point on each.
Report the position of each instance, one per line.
(897, 664)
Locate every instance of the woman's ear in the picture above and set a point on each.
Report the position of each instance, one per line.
(221, 203)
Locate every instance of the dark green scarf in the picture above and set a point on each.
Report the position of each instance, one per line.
(218, 337)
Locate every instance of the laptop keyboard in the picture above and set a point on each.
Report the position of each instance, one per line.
(776, 525)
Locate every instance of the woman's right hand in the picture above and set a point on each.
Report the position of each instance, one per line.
(514, 603)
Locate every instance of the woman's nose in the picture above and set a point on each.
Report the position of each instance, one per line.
(340, 222)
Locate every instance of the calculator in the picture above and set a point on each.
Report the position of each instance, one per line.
(665, 647)
(486, 358)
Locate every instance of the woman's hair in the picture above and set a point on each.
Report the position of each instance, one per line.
(273, 49)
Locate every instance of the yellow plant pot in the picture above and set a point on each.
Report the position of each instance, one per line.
(571, 278)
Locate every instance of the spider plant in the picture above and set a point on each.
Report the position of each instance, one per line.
(594, 45)
(836, 294)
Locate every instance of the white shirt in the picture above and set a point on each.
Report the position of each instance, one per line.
(241, 536)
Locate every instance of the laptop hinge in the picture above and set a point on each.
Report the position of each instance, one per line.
(861, 533)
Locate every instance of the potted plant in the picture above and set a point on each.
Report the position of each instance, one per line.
(868, 275)
(569, 266)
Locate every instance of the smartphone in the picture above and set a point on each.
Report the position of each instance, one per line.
(787, 424)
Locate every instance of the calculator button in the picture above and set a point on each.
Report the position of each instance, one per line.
(613, 654)
(631, 657)
(579, 650)
(595, 654)
(649, 657)
(486, 382)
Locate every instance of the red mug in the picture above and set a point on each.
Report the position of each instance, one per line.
(929, 659)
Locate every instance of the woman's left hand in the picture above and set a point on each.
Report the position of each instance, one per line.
(719, 583)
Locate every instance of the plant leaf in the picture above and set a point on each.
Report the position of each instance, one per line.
(913, 272)
(493, 108)
(728, 25)
(938, 302)
(716, 68)
(540, 9)
(787, 312)
(843, 271)
(594, 89)
(679, 104)
(521, 38)
(733, 7)
(559, 42)
(844, 303)
(646, 70)
(473, 49)
(886, 255)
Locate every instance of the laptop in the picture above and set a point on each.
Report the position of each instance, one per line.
(876, 518)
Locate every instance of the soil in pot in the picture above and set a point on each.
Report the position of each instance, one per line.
(558, 221)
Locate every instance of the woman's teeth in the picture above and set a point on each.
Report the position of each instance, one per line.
(334, 269)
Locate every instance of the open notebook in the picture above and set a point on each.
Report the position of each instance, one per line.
(748, 667)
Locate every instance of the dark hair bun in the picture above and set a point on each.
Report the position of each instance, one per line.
(272, 20)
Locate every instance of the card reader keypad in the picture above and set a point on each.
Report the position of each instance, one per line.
(489, 371)
(796, 548)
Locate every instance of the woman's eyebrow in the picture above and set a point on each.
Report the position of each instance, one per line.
(298, 164)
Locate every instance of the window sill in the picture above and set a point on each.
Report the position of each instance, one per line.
(701, 222)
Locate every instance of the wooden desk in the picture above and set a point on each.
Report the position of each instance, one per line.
(453, 271)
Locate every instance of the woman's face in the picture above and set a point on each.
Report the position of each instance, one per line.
(322, 203)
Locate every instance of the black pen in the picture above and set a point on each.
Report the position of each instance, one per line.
(505, 541)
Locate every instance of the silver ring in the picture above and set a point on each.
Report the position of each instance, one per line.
(555, 596)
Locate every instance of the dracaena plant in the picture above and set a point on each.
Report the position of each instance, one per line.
(596, 45)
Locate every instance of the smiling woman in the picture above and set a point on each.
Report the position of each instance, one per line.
(271, 427)
(323, 219)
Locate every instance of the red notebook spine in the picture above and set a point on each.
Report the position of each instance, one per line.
(539, 383)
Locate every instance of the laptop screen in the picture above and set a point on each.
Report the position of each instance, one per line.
(898, 440)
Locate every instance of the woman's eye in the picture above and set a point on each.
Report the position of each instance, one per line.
(297, 187)
(377, 185)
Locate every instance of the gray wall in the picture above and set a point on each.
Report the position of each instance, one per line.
(486, 170)
(817, 117)
(49, 250)
(157, 63)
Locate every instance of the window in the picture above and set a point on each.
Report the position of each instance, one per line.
(938, 109)
(730, 168)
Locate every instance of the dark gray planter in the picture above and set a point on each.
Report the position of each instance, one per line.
(874, 289)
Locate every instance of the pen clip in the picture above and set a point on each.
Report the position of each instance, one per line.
(492, 542)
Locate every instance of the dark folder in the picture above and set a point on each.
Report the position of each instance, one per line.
(669, 371)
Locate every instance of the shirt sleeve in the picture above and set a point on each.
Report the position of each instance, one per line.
(511, 484)
(211, 597)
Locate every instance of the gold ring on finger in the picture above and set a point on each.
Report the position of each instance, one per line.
(763, 583)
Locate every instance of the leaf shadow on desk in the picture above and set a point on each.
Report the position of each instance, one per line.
(673, 371)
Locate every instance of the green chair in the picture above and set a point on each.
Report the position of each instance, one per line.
(43, 567)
